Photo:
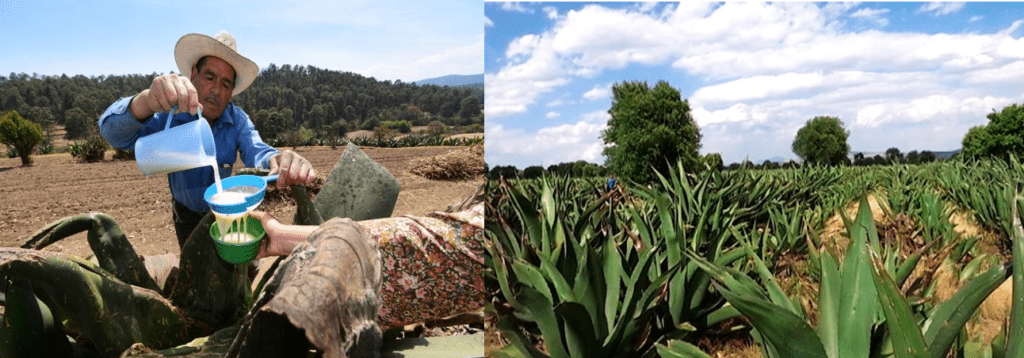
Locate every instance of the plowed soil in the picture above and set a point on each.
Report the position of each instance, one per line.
(57, 186)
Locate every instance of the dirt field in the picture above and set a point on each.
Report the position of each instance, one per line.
(57, 186)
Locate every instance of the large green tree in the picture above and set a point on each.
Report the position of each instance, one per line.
(650, 130)
(1003, 135)
(78, 124)
(822, 141)
(21, 134)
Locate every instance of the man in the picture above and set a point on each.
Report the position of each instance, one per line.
(216, 72)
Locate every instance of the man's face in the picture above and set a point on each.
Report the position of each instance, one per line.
(214, 83)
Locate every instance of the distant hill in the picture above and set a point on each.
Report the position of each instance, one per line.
(947, 154)
(452, 80)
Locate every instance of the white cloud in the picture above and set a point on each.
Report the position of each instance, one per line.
(739, 112)
(873, 15)
(765, 69)
(733, 40)
(647, 7)
(941, 8)
(976, 18)
(814, 86)
(1009, 73)
(552, 115)
(551, 12)
(516, 7)
(549, 145)
(488, 22)
(928, 108)
(599, 93)
(465, 59)
(1013, 28)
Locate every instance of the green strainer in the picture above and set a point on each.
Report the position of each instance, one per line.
(234, 251)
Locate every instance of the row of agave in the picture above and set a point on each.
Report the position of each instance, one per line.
(642, 271)
(415, 140)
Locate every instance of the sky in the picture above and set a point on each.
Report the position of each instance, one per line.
(914, 76)
(387, 40)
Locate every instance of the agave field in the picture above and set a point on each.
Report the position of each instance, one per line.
(578, 269)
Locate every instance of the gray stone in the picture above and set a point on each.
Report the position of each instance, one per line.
(358, 188)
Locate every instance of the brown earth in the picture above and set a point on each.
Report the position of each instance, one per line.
(57, 186)
(366, 134)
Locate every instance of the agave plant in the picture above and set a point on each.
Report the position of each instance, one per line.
(850, 297)
(609, 279)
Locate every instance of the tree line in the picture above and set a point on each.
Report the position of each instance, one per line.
(577, 169)
(651, 127)
(281, 99)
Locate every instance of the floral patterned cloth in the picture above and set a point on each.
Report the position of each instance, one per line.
(432, 266)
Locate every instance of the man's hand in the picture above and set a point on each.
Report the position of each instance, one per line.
(270, 224)
(291, 168)
(166, 92)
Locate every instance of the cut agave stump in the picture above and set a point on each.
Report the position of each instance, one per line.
(324, 296)
(358, 188)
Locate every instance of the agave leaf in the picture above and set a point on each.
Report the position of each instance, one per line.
(680, 349)
(502, 274)
(589, 291)
(541, 307)
(677, 295)
(906, 337)
(28, 327)
(859, 297)
(511, 331)
(828, 305)
(946, 320)
(531, 277)
(788, 333)
(998, 346)
(547, 203)
(1015, 346)
(579, 330)
(774, 290)
(78, 291)
(698, 280)
(734, 280)
(725, 312)
(562, 288)
(625, 320)
(613, 283)
(532, 225)
(639, 312)
(908, 265)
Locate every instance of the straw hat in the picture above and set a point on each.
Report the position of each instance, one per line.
(192, 47)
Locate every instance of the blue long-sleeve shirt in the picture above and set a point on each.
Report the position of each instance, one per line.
(233, 133)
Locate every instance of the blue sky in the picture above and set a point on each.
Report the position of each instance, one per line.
(915, 76)
(387, 40)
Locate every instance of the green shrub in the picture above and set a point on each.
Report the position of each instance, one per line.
(88, 151)
(437, 128)
(297, 137)
(403, 127)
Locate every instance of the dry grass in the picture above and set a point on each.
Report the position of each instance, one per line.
(739, 345)
(792, 271)
(833, 236)
(457, 165)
